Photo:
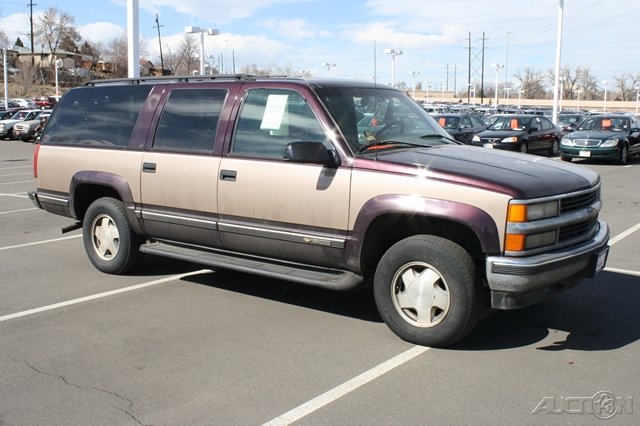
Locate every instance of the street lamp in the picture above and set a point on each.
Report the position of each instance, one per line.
(202, 31)
(329, 66)
(637, 87)
(498, 67)
(578, 91)
(604, 107)
(507, 90)
(413, 82)
(393, 53)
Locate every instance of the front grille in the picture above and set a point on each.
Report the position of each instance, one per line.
(577, 202)
(586, 143)
(582, 231)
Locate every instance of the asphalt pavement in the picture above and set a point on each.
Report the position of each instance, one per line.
(176, 344)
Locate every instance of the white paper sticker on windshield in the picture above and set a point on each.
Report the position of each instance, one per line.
(274, 112)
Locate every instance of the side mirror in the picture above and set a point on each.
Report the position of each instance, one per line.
(310, 152)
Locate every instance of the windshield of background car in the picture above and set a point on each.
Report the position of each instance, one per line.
(369, 115)
(613, 124)
(509, 123)
(448, 122)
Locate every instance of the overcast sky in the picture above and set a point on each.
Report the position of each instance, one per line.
(433, 35)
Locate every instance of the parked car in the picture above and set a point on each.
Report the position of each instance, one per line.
(569, 121)
(603, 137)
(463, 127)
(6, 126)
(25, 130)
(524, 133)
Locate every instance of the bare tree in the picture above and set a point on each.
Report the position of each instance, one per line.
(53, 28)
(25, 77)
(587, 82)
(117, 55)
(184, 60)
(532, 83)
(624, 83)
(4, 40)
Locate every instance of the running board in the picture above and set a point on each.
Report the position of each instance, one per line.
(318, 277)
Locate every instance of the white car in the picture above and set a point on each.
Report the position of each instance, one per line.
(6, 126)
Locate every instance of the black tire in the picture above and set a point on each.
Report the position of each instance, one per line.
(563, 158)
(523, 148)
(554, 148)
(623, 155)
(444, 276)
(109, 241)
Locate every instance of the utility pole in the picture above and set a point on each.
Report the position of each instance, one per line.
(482, 72)
(31, 4)
(158, 26)
(469, 74)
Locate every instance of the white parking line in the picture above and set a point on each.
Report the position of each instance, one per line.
(101, 295)
(17, 167)
(54, 240)
(17, 195)
(18, 211)
(343, 389)
(625, 234)
(623, 271)
(18, 174)
(17, 181)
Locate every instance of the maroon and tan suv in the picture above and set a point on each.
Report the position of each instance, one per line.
(330, 183)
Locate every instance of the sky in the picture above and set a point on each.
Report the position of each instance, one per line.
(352, 35)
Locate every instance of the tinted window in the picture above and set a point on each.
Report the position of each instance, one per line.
(189, 120)
(272, 118)
(99, 116)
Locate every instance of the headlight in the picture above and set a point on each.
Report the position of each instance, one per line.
(609, 143)
(510, 139)
(566, 142)
(528, 212)
(476, 138)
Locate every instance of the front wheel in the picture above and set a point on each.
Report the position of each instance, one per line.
(426, 290)
(523, 148)
(623, 154)
(554, 148)
(109, 241)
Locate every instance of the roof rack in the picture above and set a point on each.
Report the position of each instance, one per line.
(176, 79)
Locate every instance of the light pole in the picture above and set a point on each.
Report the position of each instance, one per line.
(202, 31)
(604, 107)
(6, 81)
(520, 92)
(507, 90)
(580, 90)
(56, 63)
(413, 82)
(428, 87)
(637, 87)
(329, 66)
(497, 67)
(393, 53)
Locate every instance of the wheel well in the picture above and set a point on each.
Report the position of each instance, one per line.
(85, 194)
(387, 230)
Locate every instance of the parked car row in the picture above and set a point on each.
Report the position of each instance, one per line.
(23, 124)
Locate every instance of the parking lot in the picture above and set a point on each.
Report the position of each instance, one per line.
(178, 344)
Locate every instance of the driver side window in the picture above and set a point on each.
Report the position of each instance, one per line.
(272, 118)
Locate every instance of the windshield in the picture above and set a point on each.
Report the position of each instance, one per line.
(613, 124)
(372, 115)
(448, 122)
(509, 123)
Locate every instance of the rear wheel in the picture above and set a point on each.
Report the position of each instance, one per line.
(109, 241)
(426, 290)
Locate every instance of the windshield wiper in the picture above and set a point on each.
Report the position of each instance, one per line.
(438, 136)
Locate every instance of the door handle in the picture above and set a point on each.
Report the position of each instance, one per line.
(229, 175)
(148, 167)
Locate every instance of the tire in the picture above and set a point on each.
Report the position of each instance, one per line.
(109, 241)
(563, 158)
(554, 148)
(436, 273)
(623, 155)
(523, 148)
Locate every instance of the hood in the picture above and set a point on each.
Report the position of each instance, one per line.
(522, 176)
(595, 134)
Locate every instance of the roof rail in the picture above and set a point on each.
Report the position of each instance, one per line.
(174, 78)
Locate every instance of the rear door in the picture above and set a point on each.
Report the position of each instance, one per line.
(276, 208)
(179, 170)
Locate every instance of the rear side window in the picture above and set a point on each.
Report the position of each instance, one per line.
(96, 116)
(189, 120)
